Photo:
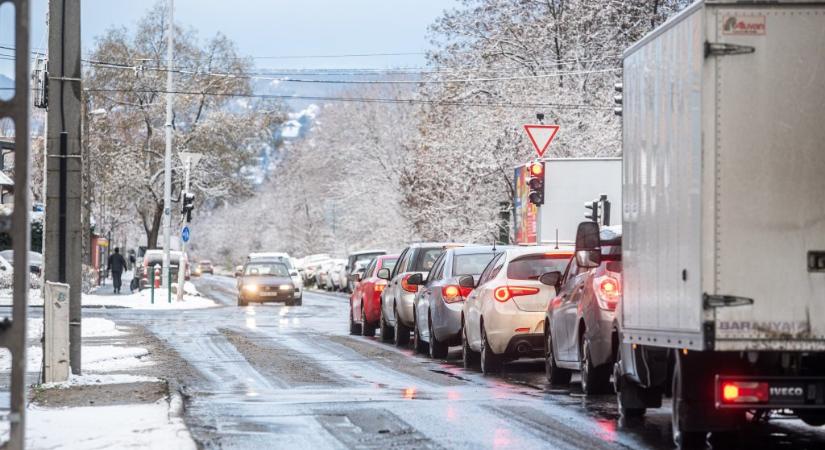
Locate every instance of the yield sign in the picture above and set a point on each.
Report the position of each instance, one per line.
(541, 136)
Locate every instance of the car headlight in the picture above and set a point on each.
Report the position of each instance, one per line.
(250, 287)
(285, 287)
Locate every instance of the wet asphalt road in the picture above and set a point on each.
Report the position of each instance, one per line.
(291, 377)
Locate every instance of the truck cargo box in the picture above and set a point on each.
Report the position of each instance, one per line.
(724, 179)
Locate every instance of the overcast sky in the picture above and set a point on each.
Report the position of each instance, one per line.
(283, 27)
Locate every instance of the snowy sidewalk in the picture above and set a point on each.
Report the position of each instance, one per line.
(105, 296)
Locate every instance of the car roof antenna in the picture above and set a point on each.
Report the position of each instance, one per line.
(557, 238)
(494, 245)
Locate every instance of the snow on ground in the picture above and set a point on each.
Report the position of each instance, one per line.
(88, 379)
(97, 327)
(143, 299)
(96, 427)
(35, 297)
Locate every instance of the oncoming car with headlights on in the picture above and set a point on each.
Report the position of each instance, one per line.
(266, 281)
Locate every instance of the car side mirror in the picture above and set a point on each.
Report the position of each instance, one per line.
(588, 259)
(384, 274)
(415, 279)
(293, 273)
(467, 281)
(588, 245)
(551, 278)
(357, 277)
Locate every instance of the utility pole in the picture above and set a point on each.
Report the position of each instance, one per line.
(63, 232)
(13, 332)
(167, 170)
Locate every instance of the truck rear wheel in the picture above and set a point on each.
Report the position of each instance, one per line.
(684, 436)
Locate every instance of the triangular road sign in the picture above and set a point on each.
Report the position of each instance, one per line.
(541, 136)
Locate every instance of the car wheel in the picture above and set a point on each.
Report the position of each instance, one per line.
(419, 345)
(438, 349)
(299, 301)
(289, 303)
(556, 376)
(490, 362)
(387, 332)
(354, 328)
(402, 332)
(366, 328)
(242, 302)
(595, 380)
(468, 356)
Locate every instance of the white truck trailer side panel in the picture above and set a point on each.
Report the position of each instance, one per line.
(568, 184)
(662, 147)
(770, 176)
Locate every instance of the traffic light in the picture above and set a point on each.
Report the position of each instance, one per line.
(618, 99)
(594, 211)
(188, 205)
(536, 182)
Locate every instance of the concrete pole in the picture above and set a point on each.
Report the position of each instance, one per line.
(167, 171)
(62, 240)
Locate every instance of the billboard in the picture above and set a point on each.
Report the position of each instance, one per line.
(524, 212)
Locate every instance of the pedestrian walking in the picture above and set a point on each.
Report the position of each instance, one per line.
(117, 264)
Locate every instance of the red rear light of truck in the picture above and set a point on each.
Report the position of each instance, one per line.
(744, 392)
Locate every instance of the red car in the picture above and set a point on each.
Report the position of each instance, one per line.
(365, 301)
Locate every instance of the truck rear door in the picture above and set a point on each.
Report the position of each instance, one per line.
(770, 175)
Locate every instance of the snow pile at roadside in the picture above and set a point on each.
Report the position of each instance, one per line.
(95, 427)
(97, 327)
(97, 379)
(35, 297)
(111, 358)
(143, 300)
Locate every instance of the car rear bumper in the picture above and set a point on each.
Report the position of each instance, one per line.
(507, 322)
(526, 345)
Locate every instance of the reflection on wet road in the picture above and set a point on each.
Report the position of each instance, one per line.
(291, 377)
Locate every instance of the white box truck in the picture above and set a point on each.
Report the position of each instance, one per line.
(724, 216)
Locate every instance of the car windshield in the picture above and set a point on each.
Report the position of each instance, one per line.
(426, 259)
(472, 264)
(531, 267)
(267, 269)
(366, 257)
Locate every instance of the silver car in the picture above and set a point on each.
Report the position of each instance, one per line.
(440, 297)
(397, 299)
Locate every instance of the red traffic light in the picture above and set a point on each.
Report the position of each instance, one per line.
(536, 169)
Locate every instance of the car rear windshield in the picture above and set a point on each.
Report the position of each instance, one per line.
(425, 260)
(472, 264)
(365, 257)
(271, 269)
(531, 267)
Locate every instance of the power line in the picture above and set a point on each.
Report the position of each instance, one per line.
(364, 100)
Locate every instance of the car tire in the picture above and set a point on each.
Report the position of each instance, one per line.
(299, 301)
(438, 349)
(595, 380)
(627, 392)
(556, 376)
(242, 302)
(402, 332)
(419, 345)
(490, 362)
(367, 329)
(289, 303)
(468, 356)
(387, 332)
(354, 328)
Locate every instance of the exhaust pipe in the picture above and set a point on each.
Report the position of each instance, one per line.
(523, 347)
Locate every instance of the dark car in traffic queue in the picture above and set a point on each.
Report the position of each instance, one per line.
(365, 301)
(264, 281)
(437, 306)
(580, 325)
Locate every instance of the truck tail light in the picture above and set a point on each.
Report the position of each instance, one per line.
(406, 286)
(504, 293)
(744, 392)
(608, 291)
(453, 293)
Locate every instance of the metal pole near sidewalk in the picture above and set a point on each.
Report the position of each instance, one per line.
(167, 171)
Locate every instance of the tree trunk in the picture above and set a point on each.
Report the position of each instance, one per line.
(154, 230)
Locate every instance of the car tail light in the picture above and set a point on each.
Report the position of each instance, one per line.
(453, 293)
(504, 293)
(406, 286)
(608, 291)
(379, 287)
(744, 392)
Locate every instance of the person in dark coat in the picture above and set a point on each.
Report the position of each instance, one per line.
(117, 264)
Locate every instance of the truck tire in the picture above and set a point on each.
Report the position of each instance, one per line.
(556, 376)
(468, 357)
(387, 332)
(683, 435)
(595, 379)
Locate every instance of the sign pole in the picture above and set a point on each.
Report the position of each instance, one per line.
(187, 163)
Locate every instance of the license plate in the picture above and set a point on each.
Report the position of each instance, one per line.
(269, 294)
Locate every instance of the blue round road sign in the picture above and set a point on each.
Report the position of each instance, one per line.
(184, 235)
